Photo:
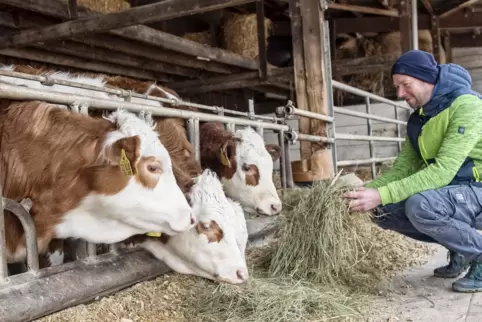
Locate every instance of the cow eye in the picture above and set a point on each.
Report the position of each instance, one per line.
(154, 168)
(245, 167)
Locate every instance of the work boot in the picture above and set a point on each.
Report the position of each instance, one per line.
(472, 281)
(456, 266)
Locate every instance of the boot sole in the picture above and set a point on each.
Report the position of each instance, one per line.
(466, 290)
(448, 276)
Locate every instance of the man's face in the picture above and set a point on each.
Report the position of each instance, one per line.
(414, 91)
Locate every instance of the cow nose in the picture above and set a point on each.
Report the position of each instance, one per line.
(240, 274)
(276, 207)
(193, 220)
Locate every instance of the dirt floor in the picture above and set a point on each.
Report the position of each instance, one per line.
(418, 296)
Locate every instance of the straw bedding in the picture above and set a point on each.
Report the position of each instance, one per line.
(325, 264)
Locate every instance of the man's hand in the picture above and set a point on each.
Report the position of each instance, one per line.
(363, 199)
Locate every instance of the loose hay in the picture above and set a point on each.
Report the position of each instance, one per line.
(203, 37)
(104, 6)
(240, 34)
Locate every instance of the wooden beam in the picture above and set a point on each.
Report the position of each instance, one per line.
(144, 14)
(465, 40)
(406, 25)
(428, 6)
(262, 57)
(64, 60)
(363, 9)
(436, 40)
(461, 20)
(58, 9)
(448, 47)
(465, 4)
(118, 45)
(355, 66)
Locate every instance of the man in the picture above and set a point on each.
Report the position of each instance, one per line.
(433, 192)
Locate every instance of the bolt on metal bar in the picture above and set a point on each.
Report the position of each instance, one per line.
(28, 226)
(370, 133)
(357, 91)
(345, 163)
(22, 93)
(3, 241)
(128, 94)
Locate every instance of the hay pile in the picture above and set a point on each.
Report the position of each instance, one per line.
(240, 34)
(203, 37)
(104, 6)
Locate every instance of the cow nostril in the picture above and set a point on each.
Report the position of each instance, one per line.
(259, 211)
(193, 220)
(240, 275)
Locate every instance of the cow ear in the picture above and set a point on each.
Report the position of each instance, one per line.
(226, 152)
(274, 151)
(125, 152)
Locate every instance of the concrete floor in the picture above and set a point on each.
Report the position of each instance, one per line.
(418, 296)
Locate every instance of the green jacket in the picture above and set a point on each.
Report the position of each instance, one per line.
(443, 145)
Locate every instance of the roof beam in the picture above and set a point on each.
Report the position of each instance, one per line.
(465, 40)
(363, 9)
(139, 15)
(428, 6)
(465, 4)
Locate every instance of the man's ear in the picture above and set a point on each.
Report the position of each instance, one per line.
(274, 151)
(125, 149)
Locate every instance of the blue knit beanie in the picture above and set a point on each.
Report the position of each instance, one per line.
(417, 63)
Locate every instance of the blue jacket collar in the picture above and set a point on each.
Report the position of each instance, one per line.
(453, 81)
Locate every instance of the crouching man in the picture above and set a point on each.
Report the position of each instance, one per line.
(433, 193)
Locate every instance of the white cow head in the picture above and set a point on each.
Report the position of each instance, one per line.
(245, 165)
(215, 247)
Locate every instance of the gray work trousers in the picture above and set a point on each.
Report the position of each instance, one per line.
(449, 216)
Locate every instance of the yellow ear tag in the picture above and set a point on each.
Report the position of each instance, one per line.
(224, 159)
(154, 234)
(125, 164)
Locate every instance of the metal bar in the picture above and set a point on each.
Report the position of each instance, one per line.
(308, 137)
(197, 146)
(3, 242)
(22, 93)
(114, 248)
(124, 93)
(291, 110)
(360, 92)
(282, 161)
(355, 137)
(414, 24)
(398, 128)
(370, 133)
(231, 127)
(91, 250)
(369, 116)
(289, 171)
(190, 131)
(28, 226)
(345, 163)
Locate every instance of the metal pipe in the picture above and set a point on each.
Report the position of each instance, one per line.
(282, 163)
(311, 138)
(398, 129)
(21, 93)
(91, 250)
(369, 116)
(231, 127)
(197, 146)
(289, 171)
(370, 133)
(190, 131)
(128, 94)
(414, 24)
(28, 226)
(355, 137)
(291, 110)
(345, 163)
(360, 92)
(3, 242)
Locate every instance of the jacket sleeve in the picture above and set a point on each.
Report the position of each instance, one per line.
(454, 149)
(406, 163)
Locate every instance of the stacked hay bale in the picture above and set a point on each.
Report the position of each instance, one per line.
(104, 6)
(203, 37)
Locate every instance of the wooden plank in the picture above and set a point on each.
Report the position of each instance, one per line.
(355, 66)
(363, 9)
(139, 15)
(465, 40)
(262, 59)
(448, 47)
(63, 60)
(58, 9)
(465, 4)
(436, 41)
(405, 26)
(428, 6)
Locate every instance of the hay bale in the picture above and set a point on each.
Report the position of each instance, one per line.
(104, 6)
(203, 37)
(240, 34)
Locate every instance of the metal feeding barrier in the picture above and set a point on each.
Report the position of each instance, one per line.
(39, 292)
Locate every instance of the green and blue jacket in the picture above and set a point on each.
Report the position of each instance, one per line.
(443, 145)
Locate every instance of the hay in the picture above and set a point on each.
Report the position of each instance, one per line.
(203, 37)
(104, 6)
(240, 34)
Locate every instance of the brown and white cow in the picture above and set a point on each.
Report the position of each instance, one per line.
(215, 247)
(242, 160)
(70, 166)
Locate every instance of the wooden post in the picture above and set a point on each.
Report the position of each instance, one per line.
(307, 27)
(436, 39)
(448, 48)
(406, 25)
